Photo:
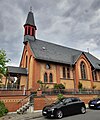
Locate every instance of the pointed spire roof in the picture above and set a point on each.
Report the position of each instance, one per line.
(30, 20)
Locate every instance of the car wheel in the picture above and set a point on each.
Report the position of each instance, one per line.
(83, 110)
(59, 114)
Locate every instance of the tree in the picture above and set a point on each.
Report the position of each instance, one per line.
(3, 61)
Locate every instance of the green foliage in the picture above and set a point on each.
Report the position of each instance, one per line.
(94, 86)
(60, 96)
(80, 86)
(3, 109)
(40, 82)
(43, 86)
(3, 61)
(2, 86)
(59, 86)
(98, 96)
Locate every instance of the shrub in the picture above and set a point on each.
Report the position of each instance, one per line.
(94, 86)
(43, 86)
(80, 86)
(59, 86)
(60, 96)
(3, 109)
(98, 96)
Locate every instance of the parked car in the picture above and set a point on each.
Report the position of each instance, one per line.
(63, 107)
(94, 103)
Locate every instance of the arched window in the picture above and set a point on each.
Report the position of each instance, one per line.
(64, 72)
(50, 78)
(28, 30)
(45, 78)
(26, 61)
(25, 30)
(32, 31)
(68, 72)
(94, 75)
(83, 70)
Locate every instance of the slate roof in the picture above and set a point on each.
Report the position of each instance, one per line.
(17, 70)
(30, 20)
(56, 53)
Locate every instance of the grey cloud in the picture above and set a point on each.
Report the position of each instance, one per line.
(72, 9)
(73, 23)
(95, 5)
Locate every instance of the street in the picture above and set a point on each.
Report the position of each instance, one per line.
(89, 115)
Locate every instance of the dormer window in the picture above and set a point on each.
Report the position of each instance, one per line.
(47, 66)
(43, 48)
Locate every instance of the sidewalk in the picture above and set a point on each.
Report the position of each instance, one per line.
(25, 116)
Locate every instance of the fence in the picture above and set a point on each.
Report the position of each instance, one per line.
(70, 91)
(14, 92)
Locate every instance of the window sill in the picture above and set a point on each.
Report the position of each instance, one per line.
(84, 79)
(66, 79)
(97, 81)
(49, 83)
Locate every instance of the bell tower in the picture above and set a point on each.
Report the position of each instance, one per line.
(29, 26)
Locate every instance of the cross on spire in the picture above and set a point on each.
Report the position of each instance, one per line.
(31, 8)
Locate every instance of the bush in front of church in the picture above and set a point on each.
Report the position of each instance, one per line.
(59, 86)
(3, 109)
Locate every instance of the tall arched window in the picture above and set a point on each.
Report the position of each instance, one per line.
(50, 78)
(45, 78)
(83, 70)
(94, 75)
(26, 61)
(68, 72)
(64, 72)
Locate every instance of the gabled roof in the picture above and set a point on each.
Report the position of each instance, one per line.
(60, 54)
(93, 60)
(16, 70)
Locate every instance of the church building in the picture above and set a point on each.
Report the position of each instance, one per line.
(54, 64)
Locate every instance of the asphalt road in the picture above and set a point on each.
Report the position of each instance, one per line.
(89, 115)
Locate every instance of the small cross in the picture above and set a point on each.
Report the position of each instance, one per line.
(30, 8)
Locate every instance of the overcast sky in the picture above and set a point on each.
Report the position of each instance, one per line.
(72, 23)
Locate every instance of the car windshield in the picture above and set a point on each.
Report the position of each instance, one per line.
(58, 102)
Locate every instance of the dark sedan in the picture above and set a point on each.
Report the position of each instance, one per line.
(94, 104)
(63, 107)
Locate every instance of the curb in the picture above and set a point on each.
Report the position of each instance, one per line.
(27, 116)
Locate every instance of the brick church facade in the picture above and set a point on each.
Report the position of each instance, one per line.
(52, 63)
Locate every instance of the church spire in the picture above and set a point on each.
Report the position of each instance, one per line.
(29, 27)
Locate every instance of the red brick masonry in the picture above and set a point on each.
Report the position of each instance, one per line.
(12, 102)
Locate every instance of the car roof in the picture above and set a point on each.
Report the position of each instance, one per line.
(70, 98)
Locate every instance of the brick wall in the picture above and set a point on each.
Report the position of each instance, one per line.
(12, 102)
(40, 102)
